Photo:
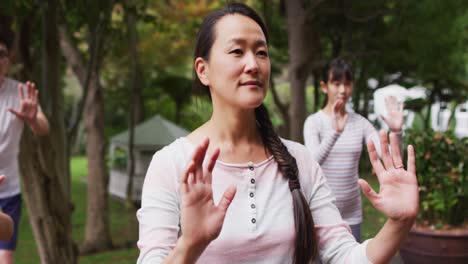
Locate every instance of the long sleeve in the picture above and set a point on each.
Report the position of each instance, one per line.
(159, 213)
(319, 147)
(370, 133)
(259, 225)
(336, 243)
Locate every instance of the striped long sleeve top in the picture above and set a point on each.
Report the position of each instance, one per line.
(259, 224)
(338, 154)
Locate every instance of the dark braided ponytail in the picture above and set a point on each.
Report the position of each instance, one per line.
(306, 242)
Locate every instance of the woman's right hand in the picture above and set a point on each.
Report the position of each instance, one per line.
(201, 219)
(338, 118)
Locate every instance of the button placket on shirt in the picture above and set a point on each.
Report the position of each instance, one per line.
(252, 199)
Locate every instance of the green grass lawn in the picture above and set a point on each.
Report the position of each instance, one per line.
(124, 227)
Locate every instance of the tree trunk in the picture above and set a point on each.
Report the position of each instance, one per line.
(43, 161)
(283, 130)
(300, 57)
(361, 91)
(365, 108)
(451, 124)
(48, 206)
(432, 95)
(76, 62)
(316, 106)
(136, 99)
(97, 234)
(283, 108)
(22, 45)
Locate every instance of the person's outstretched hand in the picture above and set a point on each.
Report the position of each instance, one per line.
(28, 104)
(201, 219)
(398, 195)
(394, 117)
(338, 120)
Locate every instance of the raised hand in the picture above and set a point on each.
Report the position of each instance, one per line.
(338, 119)
(28, 104)
(394, 118)
(201, 219)
(398, 195)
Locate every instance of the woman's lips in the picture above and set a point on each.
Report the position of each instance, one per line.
(255, 82)
(251, 84)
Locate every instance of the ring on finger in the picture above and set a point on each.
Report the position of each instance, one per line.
(399, 167)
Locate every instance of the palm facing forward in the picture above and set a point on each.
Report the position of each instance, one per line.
(398, 197)
(28, 104)
(394, 117)
(201, 219)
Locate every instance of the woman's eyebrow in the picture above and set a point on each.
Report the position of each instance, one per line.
(259, 42)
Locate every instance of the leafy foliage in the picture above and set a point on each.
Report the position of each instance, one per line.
(119, 161)
(441, 167)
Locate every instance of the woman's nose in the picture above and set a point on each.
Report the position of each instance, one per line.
(251, 64)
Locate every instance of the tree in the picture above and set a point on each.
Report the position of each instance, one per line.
(440, 66)
(382, 38)
(43, 163)
(136, 99)
(96, 22)
(273, 14)
(303, 47)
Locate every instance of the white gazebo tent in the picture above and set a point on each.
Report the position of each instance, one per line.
(149, 137)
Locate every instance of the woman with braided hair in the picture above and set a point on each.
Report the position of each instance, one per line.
(233, 191)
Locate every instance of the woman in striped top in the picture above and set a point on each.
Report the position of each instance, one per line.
(335, 139)
(246, 195)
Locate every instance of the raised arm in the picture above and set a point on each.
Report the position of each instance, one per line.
(395, 115)
(321, 147)
(200, 219)
(29, 111)
(397, 199)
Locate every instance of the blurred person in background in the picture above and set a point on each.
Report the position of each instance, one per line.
(18, 107)
(335, 138)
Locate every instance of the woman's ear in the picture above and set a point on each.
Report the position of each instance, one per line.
(324, 87)
(201, 68)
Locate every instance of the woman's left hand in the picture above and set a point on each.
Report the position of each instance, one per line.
(394, 117)
(398, 197)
